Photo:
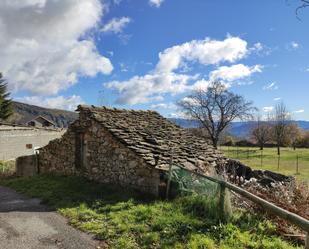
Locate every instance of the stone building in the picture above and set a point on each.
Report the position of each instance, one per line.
(126, 147)
(41, 121)
(17, 140)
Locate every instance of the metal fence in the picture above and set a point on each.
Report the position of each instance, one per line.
(294, 161)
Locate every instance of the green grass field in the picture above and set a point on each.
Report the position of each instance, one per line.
(124, 219)
(268, 159)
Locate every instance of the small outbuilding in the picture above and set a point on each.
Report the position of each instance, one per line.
(41, 122)
(126, 147)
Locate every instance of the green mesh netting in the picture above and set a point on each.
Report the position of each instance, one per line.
(184, 182)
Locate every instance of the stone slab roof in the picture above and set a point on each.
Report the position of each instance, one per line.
(154, 138)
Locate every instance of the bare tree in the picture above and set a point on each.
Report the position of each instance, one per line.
(303, 4)
(281, 120)
(294, 135)
(215, 108)
(262, 132)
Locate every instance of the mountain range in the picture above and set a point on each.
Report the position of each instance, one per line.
(239, 129)
(22, 113)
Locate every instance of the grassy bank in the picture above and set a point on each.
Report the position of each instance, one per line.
(289, 159)
(124, 219)
(7, 168)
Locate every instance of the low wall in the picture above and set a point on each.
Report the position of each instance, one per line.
(27, 165)
(21, 141)
(93, 152)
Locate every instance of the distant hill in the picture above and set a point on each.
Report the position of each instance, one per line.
(25, 112)
(238, 129)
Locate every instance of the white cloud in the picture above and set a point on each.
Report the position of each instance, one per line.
(307, 70)
(165, 79)
(117, 2)
(201, 85)
(43, 43)
(270, 86)
(179, 115)
(164, 106)
(293, 45)
(258, 46)
(234, 72)
(58, 102)
(116, 25)
(123, 67)
(205, 52)
(277, 99)
(268, 108)
(156, 3)
(299, 111)
(149, 87)
(190, 101)
(260, 49)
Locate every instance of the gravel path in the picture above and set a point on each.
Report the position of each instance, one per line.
(26, 224)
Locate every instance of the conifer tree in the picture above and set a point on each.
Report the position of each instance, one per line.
(5, 101)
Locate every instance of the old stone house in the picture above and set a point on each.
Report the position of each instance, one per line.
(126, 147)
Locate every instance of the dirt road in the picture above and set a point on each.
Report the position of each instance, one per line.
(26, 224)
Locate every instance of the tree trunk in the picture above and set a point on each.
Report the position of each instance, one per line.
(215, 143)
(278, 150)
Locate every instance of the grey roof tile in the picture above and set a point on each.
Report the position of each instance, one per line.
(154, 138)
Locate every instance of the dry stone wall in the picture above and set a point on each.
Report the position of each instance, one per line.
(58, 155)
(101, 158)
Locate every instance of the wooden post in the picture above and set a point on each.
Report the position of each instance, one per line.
(297, 169)
(278, 162)
(37, 162)
(261, 158)
(169, 178)
(307, 241)
(222, 201)
(224, 205)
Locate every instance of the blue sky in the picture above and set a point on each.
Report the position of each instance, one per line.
(148, 54)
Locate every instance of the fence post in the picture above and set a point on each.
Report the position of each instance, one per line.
(297, 169)
(278, 162)
(224, 204)
(37, 163)
(261, 158)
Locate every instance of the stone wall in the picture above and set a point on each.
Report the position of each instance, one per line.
(20, 141)
(100, 157)
(27, 165)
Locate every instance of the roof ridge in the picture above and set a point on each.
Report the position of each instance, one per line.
(107, 108)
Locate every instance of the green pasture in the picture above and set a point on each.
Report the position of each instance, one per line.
(291, 162)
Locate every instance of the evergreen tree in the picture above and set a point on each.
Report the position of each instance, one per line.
(5, 101)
